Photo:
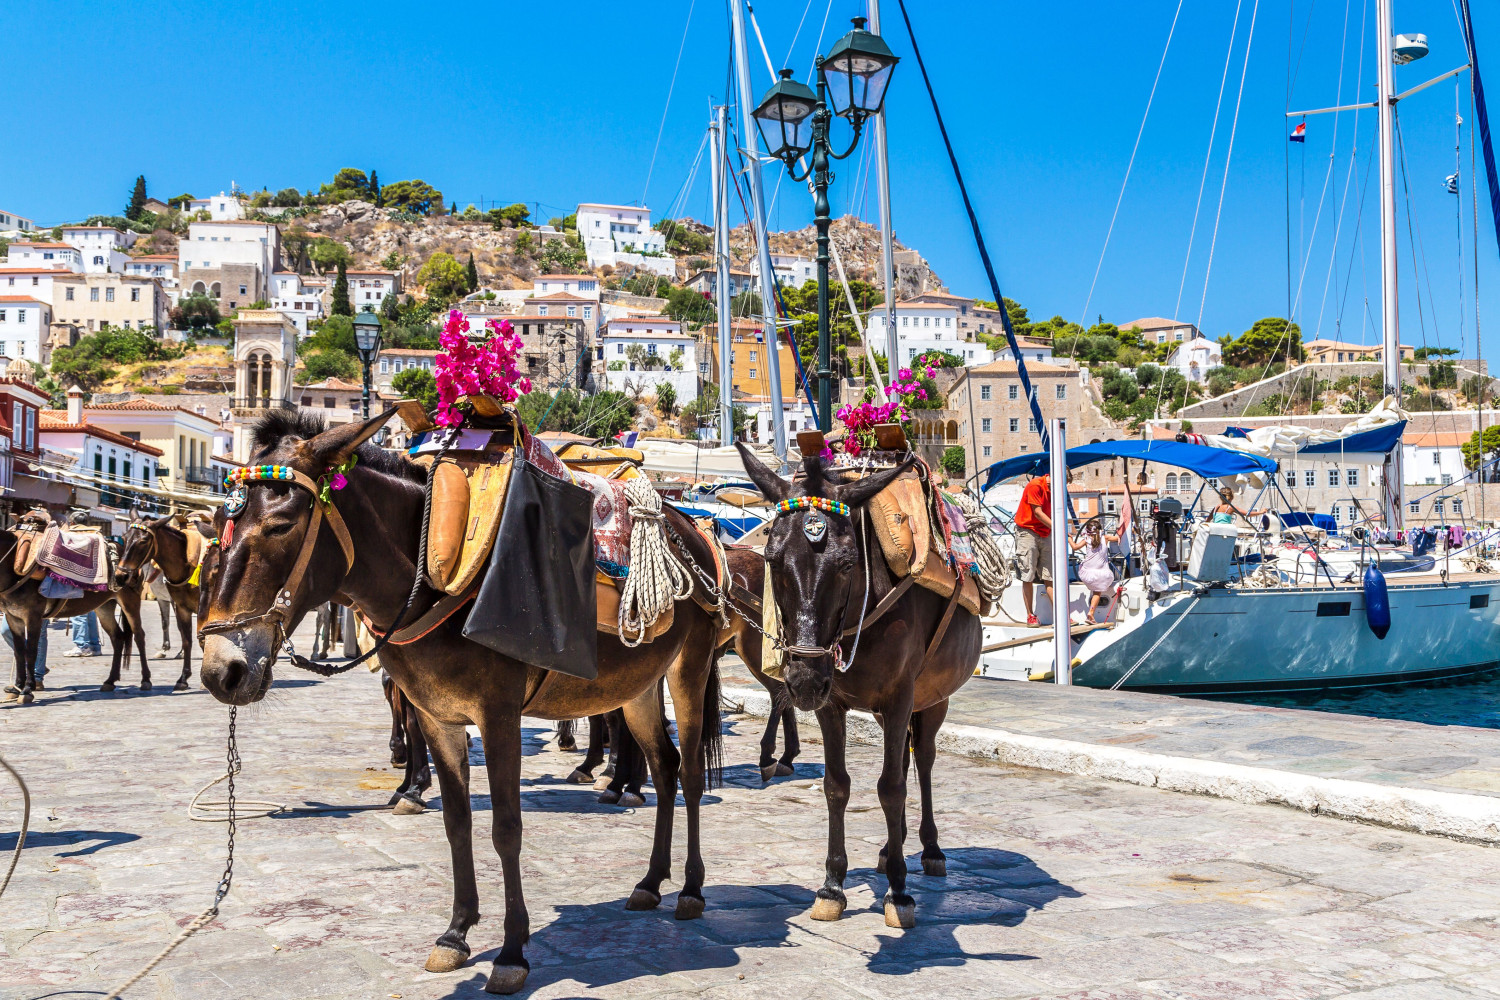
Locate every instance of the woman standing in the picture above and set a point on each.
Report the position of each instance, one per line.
(1095, 572)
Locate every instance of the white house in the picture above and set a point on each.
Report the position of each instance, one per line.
(796, 413)
(229, 260)
(706, 282)
(1196, 356)
(10, 222)
(613, 235)
(1158, 330)
(161, 266)
(220, 208)
(102, 248)
(370, 289)
(292, 296)
(564, 304)
(106, 456)
(582, 285)
(24, 253)
(790, 270)
(660, 338)
(1433, 458)
(923, 327)
(24, 320)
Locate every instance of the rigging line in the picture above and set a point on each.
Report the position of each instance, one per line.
(1208, 157)
(1332, 276)
(1306, 26)
(668, 106)
(1083, 316)
(1228, 158)
(798, 33)
(1418, 253)
(1356, 247)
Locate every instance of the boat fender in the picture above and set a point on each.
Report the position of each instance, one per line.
(1377, 603)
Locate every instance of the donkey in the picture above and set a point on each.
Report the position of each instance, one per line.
(255, 598)
(914, 655)
(27, 613)
(747, 577)
(165, 544)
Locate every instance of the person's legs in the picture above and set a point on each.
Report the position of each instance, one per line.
(41, 656)
(78, 632)
(91, 633)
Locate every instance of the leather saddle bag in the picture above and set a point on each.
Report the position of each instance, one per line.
(537, 601)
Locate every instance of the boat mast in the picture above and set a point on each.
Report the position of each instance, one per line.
(887, 256)
(1395, 490)
(750, 136)
(720, 174)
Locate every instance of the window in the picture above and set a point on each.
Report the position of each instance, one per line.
(1333, 476)
(619, 348)
(1337, 512)
(986, 451)
(753, 373)
(1062, 391)
(109, 295)
(1110, 505)
(2, 317)
(1309, 478)
(984, 392)
(135, 295)
(329, 402)
(754, 356)
(588, 312)
(1458, 507)
(1351, 477)
(242, 290)
(93, 295)
(68, 294)
(984, 425)
(1437, 458)
(385, 365)
(1015, 424)
(97, 261)
(20, 315)
(1437, 508)
(1012, 392)
(572, 310)
(1171, 482)
(926, 320)
(1415, 507)
(541, 310)
(1447, 479)
(1031, 424)
(1185, 483)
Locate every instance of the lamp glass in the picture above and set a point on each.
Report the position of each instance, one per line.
(785, 118)
(858, 70)
(367, 335)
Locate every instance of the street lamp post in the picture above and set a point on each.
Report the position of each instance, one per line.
(367, 342)
(794, 121)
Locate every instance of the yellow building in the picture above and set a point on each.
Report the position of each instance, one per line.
(186, 439)
(750, 359)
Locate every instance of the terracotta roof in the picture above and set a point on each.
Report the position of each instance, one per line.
(145, 406)
(334, 383)
(11, 271)
(559, 297)
(384, 274)
(1154, 323)
(57, 420)
(49, 246)
(1436, 439)
(22, 298)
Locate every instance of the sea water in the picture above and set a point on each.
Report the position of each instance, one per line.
(1472, 701)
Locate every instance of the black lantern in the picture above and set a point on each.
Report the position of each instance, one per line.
(367, 336)
(785, 118)
(858, 70)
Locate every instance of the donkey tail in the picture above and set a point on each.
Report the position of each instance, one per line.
(711, 746)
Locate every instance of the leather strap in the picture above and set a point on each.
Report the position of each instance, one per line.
(435, 616)
(942, 629)
(891, 597)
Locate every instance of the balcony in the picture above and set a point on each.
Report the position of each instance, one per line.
(202, 475)
(261, 403)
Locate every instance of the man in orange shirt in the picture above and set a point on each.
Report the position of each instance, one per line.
(1034, 540)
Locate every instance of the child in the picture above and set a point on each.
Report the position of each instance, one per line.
(1095, 573)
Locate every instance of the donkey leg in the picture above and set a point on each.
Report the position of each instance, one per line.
(185, 633)
(501, 731)
(924, 725)
(645, 719)
(408, 799)
(565, 738)
(831, 900)
(885, 849)
(694, 681)
(117, 657)
(618, 743)
(900, 908)
(450, 748)
(630, 770)
(583, 774)
(397, 741)
(789, 737)
(137, 631)
(33, 647)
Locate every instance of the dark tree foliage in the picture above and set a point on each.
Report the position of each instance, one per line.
(472, 274)
(341, 305)
(137, 206)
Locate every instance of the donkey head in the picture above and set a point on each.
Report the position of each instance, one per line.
(135, 551)
(814, 561)
(257, 561)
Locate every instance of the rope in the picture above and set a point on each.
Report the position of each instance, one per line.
(994, 569)
(1136, 666)
(220, 812)
(657, 579)
(15, 857)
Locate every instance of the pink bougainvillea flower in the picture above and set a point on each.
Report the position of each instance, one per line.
(484, 368)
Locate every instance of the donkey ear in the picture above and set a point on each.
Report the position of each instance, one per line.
(772, 486)
(862, 490)
(335, 445)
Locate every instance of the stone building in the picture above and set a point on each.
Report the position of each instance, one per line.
(265, 352)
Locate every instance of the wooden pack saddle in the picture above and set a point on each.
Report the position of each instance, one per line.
(902, 518)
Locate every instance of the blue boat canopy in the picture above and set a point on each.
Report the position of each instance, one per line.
(1205, 461)
(1380, 441)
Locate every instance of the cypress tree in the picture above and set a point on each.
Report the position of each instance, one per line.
(473, 274)
(375, 190)
(137, 205)
(341, 305)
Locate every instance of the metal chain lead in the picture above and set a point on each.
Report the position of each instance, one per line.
(231, 768)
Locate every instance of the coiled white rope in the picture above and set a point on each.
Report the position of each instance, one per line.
(994, 568)
(657, 579)
(15, 857)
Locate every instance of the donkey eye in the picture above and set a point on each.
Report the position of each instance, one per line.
(275, 529)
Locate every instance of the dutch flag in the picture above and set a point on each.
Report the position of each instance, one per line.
(627, 438)
(1299, 134)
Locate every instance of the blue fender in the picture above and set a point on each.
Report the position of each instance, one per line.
(1377, 603)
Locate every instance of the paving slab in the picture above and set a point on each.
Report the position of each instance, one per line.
(1060, 885)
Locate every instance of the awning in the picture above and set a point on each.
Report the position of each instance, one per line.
(1379, 441)
(1205, 461)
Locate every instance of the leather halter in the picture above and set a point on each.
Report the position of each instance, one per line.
(152, 553)
(281, 604)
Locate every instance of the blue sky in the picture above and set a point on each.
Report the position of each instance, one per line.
(556, 105)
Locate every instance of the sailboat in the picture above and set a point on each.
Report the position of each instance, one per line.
(1223, 623)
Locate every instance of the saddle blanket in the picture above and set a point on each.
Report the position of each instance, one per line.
(80, 556)
(959, 546)
(612, 523)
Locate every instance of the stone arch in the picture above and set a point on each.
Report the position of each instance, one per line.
(199, 288)
(213, 289)
(953, 430)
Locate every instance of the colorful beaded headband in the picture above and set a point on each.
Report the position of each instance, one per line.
(809, 503)
(250, 472)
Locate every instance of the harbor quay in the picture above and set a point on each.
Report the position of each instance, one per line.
(1058, 885)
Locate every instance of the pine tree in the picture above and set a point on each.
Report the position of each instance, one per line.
(473, 274)
(341, 303)
(375, 190)
(137, 206)
(453, 209)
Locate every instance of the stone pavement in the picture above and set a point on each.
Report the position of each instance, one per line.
(1059, 886)
(1382, 751)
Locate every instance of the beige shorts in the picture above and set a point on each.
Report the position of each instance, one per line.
(1033, 557)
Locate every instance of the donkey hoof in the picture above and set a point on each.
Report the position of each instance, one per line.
(506, 979)
(903, 915)
(632, 800)
(580, 777)
(27, 697)
(445, 959)
(145, 685)
(936, 867)
(602, 782)
(608, 797)
(827, 909)
(784, 770)
(180, 686)
(643, 899)
(107, 686)
(406, 805)
(767, 773)
(689, 907)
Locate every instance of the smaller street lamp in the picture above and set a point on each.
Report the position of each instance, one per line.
(794, 120)
(367, 342)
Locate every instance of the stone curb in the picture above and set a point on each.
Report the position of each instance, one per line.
(1420, 810)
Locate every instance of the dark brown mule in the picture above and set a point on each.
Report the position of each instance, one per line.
(898, 672)
(747, 578)
(27, 613)
(408, 751)
(167, 546)
(452, 681)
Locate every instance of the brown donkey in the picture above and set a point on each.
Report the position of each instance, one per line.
(159, 541)
(451, 680)
(827, 573)
(747, 577)
(27, 613)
